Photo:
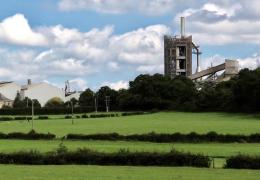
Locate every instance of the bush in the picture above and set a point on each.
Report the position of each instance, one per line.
(43, 117)
(78, 117)
(132, 113)
(101, 115)
(243, 162)
(68, 117)
(84, 116)
(23, 118)
(175, 137)
(123, 157)
(6, 118)
(31, 135)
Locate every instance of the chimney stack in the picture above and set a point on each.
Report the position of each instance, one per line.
(182, 27)
(29, 82)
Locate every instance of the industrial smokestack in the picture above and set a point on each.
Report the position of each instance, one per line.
(182, 27)
(29, 82)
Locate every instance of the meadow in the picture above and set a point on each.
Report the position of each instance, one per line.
(163, 122)
(122, 172)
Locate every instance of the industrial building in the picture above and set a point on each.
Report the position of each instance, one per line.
(40, 91)
(178, 59)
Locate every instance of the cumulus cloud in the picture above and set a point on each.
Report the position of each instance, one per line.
(221, 23)
(15, 29)
(116, 85)
(149, 7)
(143, 46)
(71, 53)
(251, 62)
(78, 84)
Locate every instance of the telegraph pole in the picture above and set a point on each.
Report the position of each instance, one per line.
(107, 103)
(32, 115)
(96, 102)
(72, 112)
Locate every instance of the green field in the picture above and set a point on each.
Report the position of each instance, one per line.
(119, 172)
(165, 122)
(212, 149)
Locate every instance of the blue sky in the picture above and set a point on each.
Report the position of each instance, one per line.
(95, 42)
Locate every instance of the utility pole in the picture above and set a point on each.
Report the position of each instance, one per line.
(27, 110)
(96, 102)
(72, 112)
(32, 115)
(107, 103)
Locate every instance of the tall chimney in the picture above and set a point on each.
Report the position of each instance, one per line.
(29, 82)
(182, 27)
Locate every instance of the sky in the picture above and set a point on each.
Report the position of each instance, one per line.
(93, 43)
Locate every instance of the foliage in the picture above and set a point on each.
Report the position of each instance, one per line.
(122, 157)
(175, 137)
(243, 162)
(30, 135)
(55, 102)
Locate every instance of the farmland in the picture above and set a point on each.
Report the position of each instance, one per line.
(163, 122)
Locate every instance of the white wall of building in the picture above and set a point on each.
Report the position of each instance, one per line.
(43, 92)
(9, 90)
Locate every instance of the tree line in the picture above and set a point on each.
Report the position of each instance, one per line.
(158, 92)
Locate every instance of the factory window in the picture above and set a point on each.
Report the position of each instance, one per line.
(182, 50)
(182, 63)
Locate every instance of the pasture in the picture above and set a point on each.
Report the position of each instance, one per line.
(163, 122)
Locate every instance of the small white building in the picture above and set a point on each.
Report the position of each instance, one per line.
(9, 89)
(40, 91)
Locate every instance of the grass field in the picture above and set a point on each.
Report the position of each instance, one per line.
(165, 122)
(212, 149)
(121, 173)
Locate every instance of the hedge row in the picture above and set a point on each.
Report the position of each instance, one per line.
(176, 137)
(123, 157)
(45, 111)
(32, 135)
(10, 118)
(132, 113)
(243, 162)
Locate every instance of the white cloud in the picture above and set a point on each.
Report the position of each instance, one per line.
(113, 66)
(143, 46)
(78, 84)
(149, 7)
(251, 62)
(16, 29)
(221, 24)
(151, 69)
(116, 85)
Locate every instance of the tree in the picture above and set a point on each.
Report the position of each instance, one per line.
(112, 96)
(86, 99)
(55, 102)
(18, 102)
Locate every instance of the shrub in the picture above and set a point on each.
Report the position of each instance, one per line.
(23, 118)
(122, 157)
(84, 116)
(68, 117)
(43, 117)
(175, 137)
(6, 118)
(243, 162)
(78, 117)
(132, 113)
(31, 135)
